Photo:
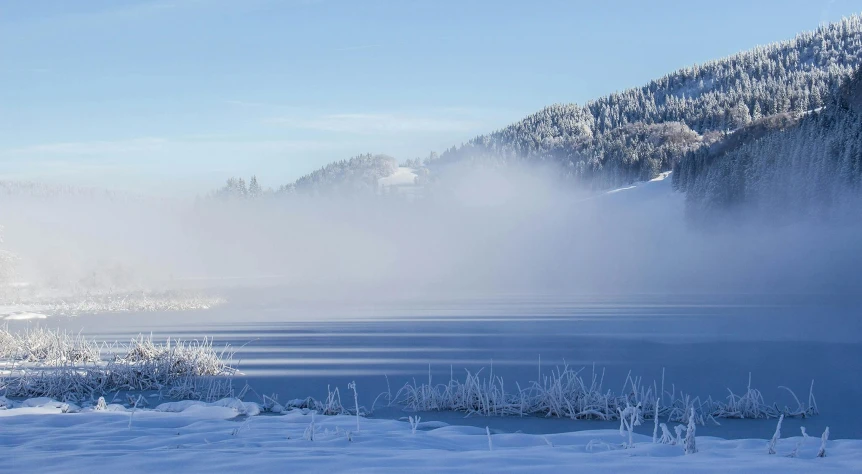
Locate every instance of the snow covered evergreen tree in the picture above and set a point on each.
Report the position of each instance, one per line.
(254, 189)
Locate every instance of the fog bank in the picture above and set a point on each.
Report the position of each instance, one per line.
(490, 230)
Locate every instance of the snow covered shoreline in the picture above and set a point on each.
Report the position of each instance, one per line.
(74, 305)
(217, 437)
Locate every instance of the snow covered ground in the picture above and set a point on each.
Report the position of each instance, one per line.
(195, 437)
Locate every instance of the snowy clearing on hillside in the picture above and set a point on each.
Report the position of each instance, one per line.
(403, 176)
(216, 438)
(663, 177)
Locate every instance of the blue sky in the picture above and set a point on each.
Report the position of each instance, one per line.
(178, 95)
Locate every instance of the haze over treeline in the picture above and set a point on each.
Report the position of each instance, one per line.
(512, 229)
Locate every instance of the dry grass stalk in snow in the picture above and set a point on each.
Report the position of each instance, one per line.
(821, 453)
(775, 437)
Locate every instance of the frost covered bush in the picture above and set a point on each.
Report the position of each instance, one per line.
(564, 393)
(45, 363)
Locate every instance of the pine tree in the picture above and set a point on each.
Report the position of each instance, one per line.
(254, 189)
(756, 114)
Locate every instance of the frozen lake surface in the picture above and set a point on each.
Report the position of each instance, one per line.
(705, 344)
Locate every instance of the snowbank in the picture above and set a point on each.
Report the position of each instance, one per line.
(237, 407)
(207, 437)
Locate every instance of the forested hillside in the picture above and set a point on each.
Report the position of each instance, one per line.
(613, 140)
(809, 166)
(359, 174)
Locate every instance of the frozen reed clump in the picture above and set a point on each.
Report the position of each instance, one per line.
(565, 393)
(52, 363)
(176, 358)
(41, 345)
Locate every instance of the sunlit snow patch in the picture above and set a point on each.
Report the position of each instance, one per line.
(661, 177)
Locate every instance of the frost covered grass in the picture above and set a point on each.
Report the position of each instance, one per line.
(70, 367)
(566, 393)
(47, 346)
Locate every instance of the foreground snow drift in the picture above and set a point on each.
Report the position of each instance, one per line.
(196, 436)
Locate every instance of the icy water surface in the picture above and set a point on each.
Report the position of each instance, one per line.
(705, 344)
